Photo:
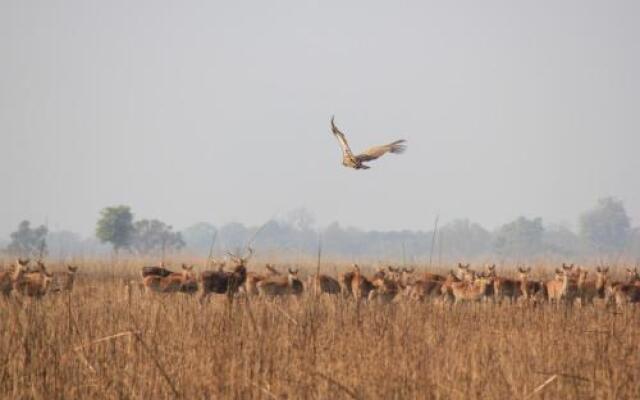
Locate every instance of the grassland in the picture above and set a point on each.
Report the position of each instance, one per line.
(97, 342)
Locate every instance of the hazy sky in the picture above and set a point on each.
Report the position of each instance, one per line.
(219, 111)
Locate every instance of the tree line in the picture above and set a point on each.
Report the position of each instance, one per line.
(604, 230)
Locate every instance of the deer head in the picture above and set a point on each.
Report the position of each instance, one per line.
(241, 261)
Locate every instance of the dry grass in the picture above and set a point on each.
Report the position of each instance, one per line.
(96, 343)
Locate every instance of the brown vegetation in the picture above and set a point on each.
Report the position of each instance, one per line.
(96, 343)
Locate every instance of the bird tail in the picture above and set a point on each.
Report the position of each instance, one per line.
(398, 147)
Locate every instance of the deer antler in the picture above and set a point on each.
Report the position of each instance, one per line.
(248, 256)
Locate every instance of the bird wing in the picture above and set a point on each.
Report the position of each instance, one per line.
(346, 150)
(397, 147)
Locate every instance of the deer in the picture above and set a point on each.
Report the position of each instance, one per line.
(385, 290)
(360, 285)
(586, 290)
(465, 273)
(571, 270)
(250, 284)
(530, 290)
(633, 276)
(184, 281)
(561, 287)
(447, 286)
(63, 281)
(226, 282)
(503, 288)
(320, 284)
(156, 271)
(280, 285)
(6, 281)
(422, 289)
(344, 279)
(402, 276)
(31, 284)
(474, 291)
(623, 293)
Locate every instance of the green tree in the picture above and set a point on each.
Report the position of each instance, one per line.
(115, 226)
(520, 238)
(606, 227)
(28, 242)
(154, 235)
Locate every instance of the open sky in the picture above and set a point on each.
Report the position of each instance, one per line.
(219, 111)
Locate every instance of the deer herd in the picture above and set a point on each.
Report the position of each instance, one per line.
(35, 282)
(571, 285)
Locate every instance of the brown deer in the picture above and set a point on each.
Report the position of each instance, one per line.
(63, 281)
(465, 273)
(319, 284)
(250, 284)
(385, 290)
(447, 286)
(345, 279)
(184, 281)
(31, 284)
(530, 290)
(623, 293)
(588, 290)
(6, 281)
(633, 276)
(403, 277)
(156, 271)
(226, 282)
(360, 285)
(572, 271)
(470, 291)
(561, 287)
(423, 289)
(281, 286)
(503, 288)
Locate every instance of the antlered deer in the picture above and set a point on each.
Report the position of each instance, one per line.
(226, 282)
(184, 281)
(280, 285)
(32, 284)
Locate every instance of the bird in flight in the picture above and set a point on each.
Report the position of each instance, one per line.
(356, 161)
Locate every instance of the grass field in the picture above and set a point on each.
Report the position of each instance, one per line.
(96, 342)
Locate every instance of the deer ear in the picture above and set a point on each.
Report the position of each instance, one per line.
(598, 269)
